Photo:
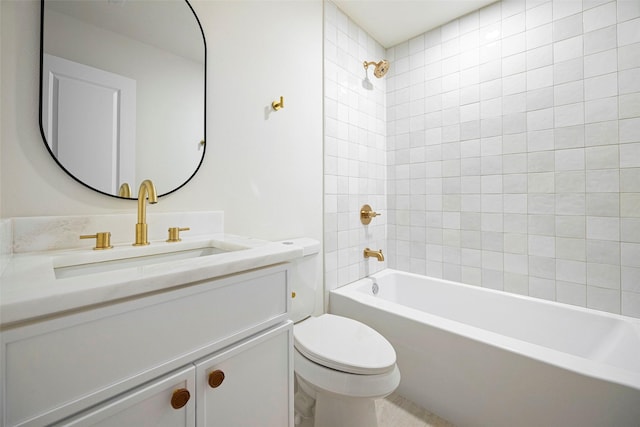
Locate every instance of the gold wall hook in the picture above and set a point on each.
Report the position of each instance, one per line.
(103, 240)
(366, 214)
(278, 105)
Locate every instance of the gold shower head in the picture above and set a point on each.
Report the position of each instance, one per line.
(381, 69)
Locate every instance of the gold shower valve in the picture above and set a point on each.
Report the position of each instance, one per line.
(103, 240)
(366, 214)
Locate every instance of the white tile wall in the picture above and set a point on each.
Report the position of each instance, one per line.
(503, 149)
(521, 168)
(355, 144)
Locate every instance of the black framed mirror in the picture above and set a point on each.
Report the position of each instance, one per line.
(123, 92)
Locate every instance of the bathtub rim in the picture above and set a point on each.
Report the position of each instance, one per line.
(581, 365)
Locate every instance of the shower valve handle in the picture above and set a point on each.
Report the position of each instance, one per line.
(366, 214)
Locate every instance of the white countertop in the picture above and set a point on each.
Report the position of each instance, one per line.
(29, 288)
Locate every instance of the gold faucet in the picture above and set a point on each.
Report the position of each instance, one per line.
(147, 190)
(376, 254)
(125, 190)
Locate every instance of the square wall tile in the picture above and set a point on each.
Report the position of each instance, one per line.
(628, 31)
(603, 299)
(568, 49)
(567, 27)
(599, 40)
(600, 17)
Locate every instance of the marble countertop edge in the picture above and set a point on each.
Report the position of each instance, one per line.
(29, 289)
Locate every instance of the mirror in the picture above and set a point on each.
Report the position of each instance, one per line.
(122, 92)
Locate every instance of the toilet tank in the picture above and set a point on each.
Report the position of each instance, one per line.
(304, 278)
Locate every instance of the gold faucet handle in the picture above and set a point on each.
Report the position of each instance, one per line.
(174, 233)
(103, 240)
(367, 213)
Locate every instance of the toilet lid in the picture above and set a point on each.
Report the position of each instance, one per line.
(344, 344)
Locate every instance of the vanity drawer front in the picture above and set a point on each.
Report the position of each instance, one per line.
(150, 405)
(56, 368)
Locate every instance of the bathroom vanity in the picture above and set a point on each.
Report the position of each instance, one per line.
(199, 341)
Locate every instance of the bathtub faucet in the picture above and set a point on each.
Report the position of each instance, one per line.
(376, 254)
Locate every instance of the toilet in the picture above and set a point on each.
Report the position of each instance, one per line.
(341, 365)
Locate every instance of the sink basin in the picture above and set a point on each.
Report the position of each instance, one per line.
(80, 265)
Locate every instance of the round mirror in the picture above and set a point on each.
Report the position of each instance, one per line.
(122, 95)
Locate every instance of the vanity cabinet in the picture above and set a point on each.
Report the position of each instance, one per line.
(121, 364)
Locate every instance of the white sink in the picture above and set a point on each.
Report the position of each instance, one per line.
(91, 263)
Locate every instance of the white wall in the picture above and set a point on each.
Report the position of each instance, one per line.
(264, 170)
(265, 167)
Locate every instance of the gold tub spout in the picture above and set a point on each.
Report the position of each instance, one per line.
(147, 190)
(375, 254)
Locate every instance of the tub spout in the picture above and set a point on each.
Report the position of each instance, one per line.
(376, 254)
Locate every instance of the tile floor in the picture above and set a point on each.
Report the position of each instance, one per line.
(396, 411)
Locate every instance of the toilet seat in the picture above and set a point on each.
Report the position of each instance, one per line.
(344, 345)
(374, 386)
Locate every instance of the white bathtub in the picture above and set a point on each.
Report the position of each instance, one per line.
(479, 357)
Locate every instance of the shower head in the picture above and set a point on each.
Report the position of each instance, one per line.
(381, 67)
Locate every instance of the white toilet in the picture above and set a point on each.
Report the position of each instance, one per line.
(341, 365)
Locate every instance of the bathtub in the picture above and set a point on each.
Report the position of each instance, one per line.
(479, 357)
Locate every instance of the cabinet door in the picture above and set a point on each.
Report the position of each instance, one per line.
(250, 384)
(166, 402)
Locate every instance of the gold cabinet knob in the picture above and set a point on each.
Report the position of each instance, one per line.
(174, 234)
(215, 378)
(103, 240)
(180, 398)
